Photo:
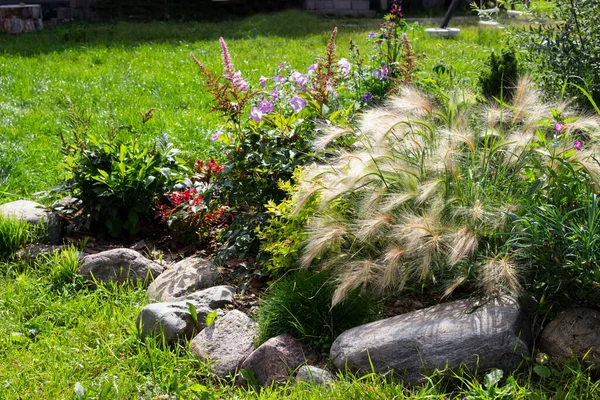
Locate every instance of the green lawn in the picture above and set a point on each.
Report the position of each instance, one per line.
(115, 71)
(54, 332)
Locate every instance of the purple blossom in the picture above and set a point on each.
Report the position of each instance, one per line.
(227, 151)
(372, 35)
(311, 69)
(266, 106)
(381, 73)
(299, 78)
(275, 94)
(282, 65)
(578, 145)
(215, 137)
(256, 114)
(367, 97)
(558, 127)
(263, 82)
(345, 67)
(298, 103)
(279, 78)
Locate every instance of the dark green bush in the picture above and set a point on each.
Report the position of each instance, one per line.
(563, 246)
(499, 76)
(117, 179)
(300, 305)
(564, 48)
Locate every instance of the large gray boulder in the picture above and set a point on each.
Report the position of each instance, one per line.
(226, 343)
(310, 374)
(186, 276)
(275, 360)
(492, 334)
(175, 321)
(35, 214)
(573, 332)
(119, 266)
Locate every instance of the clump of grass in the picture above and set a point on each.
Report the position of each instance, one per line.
(432, 184)
(15, 233)
(299, 304)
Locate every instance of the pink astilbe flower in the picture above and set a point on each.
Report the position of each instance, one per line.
(229, 72)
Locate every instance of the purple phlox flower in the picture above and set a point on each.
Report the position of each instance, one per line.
(345, 67)
(372, 35)
(282, 65)
(275, 94)
(266, 106)
(299, 78)
(279, 78)
(367, 97)
(311, 69)
(256, 114)
(578, 145)
(396, 10)
(215, 137)
(227, 152)
(381, 73)
(298, 103)
(558, 127)
(263, 82)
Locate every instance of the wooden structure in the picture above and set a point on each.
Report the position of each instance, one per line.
(18, 18)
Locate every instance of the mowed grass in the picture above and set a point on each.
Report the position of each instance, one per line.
(114, 71)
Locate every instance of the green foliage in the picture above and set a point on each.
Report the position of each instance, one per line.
(117, 178)
(564, 246)
(284, 232)
(499, 77)
(564, 48)
(15, 234)
(299, 304)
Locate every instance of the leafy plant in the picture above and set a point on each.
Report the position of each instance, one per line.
(116, 178)
(185, 211)
(431, 192)
(300, 304)
(564, 47)
(283, 235)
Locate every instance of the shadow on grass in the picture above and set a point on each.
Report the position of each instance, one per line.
(288, 24)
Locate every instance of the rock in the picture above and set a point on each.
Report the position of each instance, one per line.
(120, 266)
(31, 252)
(226, 343)
(175, 321)
(575, 332)
(310, 374)
(493, 334)
(275, 359)
(35, 214)
(185, 277)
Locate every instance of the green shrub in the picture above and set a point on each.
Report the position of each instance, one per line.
(299, 304)
(117, 178)
(15, 234)
(500, 76)
(282, 236)
(432, 191)
(564, 246)
(564, 48)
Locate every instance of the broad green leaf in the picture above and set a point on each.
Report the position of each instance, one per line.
(542, 371)
(193, 312)
(493, 377)
(210, 318)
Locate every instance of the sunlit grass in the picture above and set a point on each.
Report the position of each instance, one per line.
(115, 71)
